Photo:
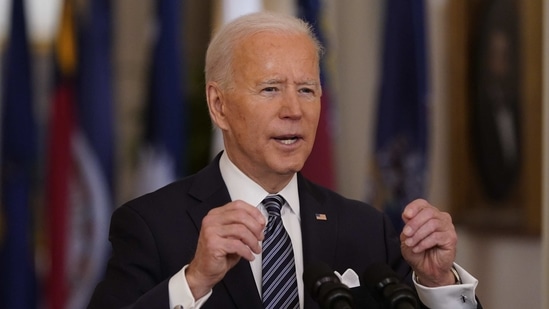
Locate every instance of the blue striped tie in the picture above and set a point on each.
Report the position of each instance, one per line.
(279, 277)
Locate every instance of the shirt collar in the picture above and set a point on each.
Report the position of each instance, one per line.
(242, 187)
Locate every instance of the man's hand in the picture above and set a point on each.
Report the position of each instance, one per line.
(428, 243)
(227, 234)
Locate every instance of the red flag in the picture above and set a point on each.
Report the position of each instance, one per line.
(60, 161)
(60, 167)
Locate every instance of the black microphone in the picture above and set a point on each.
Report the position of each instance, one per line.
(326, 288)
(385, 285)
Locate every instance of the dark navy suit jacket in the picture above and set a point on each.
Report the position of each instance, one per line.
(155, 235)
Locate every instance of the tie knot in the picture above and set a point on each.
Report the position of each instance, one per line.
(273, 203)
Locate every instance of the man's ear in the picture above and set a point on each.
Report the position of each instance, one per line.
(216, 104)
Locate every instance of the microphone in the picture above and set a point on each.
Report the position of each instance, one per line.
(326, 288)
(384, 284)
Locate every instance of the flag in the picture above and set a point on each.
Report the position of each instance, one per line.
(60, 161)
(401, 130)
(231, 9)
(93, 150)
(78, 197)
(95, 94)
(18, 163)
(320, 164)
(163, 153)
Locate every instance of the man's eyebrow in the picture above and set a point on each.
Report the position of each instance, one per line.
(308, 83)
(272, 81)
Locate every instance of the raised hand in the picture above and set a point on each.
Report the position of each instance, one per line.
(228, 233)
(428, 243)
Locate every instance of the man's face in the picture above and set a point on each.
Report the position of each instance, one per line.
(272, 107)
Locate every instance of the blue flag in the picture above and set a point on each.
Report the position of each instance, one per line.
(401, 134)
(163, 155)
(93, 152)
(95, 94)
(17, 279)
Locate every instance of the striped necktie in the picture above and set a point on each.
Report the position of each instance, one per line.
(279, 276)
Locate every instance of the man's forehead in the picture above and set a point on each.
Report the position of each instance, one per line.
(275, 58)
(267, 44)
(269, 36)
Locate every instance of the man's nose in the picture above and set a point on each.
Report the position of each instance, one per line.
(291, 105)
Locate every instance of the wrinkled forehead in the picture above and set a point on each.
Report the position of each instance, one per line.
(272, 35)
(267, 46)
(263, 53)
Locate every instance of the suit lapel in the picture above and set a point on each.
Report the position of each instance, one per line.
(210, 191)
(318, 226)
(318, 230)
(240, 284)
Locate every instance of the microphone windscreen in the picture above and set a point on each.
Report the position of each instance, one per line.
(315, 274)
(377, 275)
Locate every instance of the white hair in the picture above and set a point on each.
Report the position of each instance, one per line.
(220, 50)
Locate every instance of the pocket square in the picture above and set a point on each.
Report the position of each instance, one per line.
(349, 278)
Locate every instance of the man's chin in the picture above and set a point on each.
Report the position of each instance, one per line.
(288, 165)
(290, 169)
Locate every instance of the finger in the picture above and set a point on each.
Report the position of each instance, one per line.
(440, 240)
(251, 210)
(217, 245)
(412, 209)
(234, 221)
(420, 227)
(425, 215)
(237, 212)
(246, 220)
(236, 246)
(420, 217)
(241, 233)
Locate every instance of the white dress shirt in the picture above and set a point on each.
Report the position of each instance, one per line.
(241, 187)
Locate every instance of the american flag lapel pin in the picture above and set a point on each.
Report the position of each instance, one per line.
(321, 217)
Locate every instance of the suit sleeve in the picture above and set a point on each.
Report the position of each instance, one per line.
(133, 277)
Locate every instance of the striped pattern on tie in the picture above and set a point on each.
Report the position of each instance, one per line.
(279, 276)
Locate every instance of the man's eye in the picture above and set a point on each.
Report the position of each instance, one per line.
(270, 89)
(307, 90)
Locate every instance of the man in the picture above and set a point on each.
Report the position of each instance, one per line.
(198, 242)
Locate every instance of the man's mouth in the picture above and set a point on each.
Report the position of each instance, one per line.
(287, 140)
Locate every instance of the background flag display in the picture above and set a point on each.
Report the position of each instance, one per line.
(163, 155)
(401, 133)
(320, 164)
(95, 95)
(93, 150)
(18, 162)
(79, 168)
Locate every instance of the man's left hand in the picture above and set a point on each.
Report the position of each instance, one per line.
(428, 243)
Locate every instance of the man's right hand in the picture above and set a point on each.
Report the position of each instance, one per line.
(228, 233)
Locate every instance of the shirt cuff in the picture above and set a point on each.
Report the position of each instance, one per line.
(180, 293)
(458, 296)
